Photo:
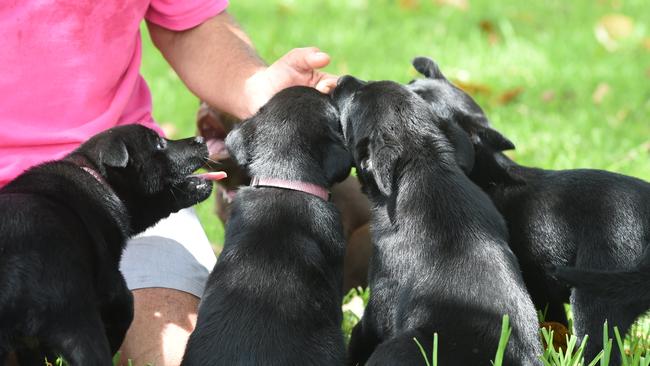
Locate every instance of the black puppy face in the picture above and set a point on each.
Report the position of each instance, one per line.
(295, 136)
(382, 120)
(137, 162)
(464, 115)
(451, 102)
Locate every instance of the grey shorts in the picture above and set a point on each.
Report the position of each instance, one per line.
(175, 254)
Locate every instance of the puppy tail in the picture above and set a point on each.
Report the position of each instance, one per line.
(621, 287)
(428, 68)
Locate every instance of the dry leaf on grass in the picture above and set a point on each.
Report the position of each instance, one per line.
(458, 4)
(616, 4)
(646, 43)
(560, 333)
(548, 96)
(409, 4)
(490, 30)
(473, 88)
(600, 93)
(286, 7)
(509, 95)
(621, 115)
(612, 29)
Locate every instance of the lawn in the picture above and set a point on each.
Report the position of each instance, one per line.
(567, 81)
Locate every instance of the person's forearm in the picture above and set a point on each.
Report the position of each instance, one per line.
(214, 60)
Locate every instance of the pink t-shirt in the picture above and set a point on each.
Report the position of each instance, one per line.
(71, 68)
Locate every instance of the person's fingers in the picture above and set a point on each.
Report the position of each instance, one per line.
(306, 59)
(317, 60)
(328, 77)
(326, 85)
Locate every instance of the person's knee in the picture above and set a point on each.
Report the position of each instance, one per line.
(163, 321)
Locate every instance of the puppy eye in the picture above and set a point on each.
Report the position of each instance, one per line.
(161, 144)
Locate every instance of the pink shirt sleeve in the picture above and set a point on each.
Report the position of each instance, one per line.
(183, 14)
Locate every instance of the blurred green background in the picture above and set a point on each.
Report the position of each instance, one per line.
(567, 81)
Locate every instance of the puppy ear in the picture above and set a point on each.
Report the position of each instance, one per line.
(495, 140)
(337, 164)
(381, 164)
(237, 144)
(112, 152)
(494, 167)
(463, 147)
(477, 126)
(427, 67)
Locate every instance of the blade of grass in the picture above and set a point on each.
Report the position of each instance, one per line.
(607, 344)
(424, 354)
(434, 358)
(503, 341)
(621, 347)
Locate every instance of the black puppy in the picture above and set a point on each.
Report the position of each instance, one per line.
(274, 296)
(591, 219)
(63, 225)
(441, 261)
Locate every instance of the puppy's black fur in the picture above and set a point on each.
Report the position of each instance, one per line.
(590, 219)
(624, 287)
(62, 231)
(274, 297)
(440, 260)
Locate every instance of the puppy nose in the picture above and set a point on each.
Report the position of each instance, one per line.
(199, 139)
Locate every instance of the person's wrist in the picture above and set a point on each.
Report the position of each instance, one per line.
(257, 91)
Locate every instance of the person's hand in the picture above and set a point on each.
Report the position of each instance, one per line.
(298, 67)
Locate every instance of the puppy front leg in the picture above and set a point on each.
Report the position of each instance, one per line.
(590, 313)
(117, 311)
(4, 350)
(402, 350)
(362, 343)
(28, 356)
(80, 340)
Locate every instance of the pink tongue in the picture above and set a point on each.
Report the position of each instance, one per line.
(214, 176)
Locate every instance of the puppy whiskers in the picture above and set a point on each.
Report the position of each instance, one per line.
(177, 189)
(212, 161)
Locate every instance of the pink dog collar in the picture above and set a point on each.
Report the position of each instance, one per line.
(312, 189)
(94, 173)
(86, 166)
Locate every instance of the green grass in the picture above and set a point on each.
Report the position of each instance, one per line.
(548, 49)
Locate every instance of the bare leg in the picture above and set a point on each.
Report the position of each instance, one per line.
(162, 323)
